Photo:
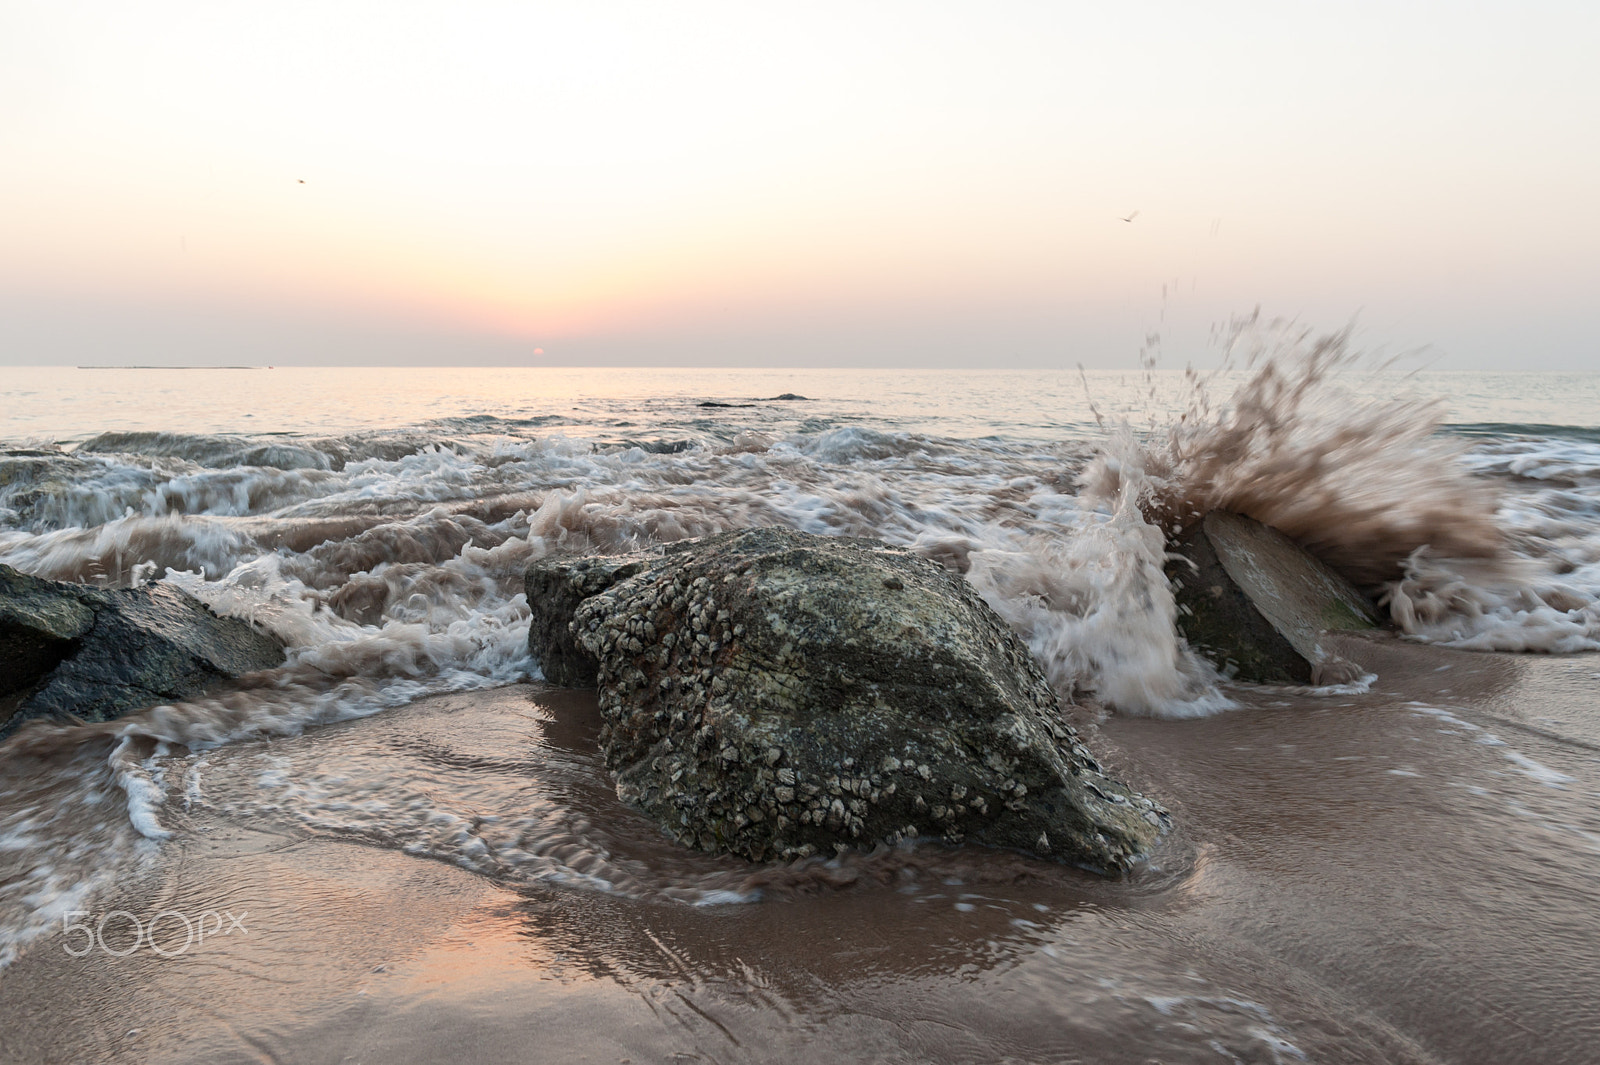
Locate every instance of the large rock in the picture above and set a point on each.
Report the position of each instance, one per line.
(70, 650)
(555, 587)
(776, 694)
(1256, 603)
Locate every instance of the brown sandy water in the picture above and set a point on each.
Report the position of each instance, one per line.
(426, 860)
(1411, 874)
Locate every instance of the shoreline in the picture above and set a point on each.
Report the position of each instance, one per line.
(1367, 881)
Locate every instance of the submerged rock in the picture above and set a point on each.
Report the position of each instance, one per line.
(1256, 603)
(96, 653)
(776, 694)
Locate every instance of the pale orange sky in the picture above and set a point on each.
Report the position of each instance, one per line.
(827, 184)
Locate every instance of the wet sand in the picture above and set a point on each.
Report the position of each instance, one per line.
(1407, 875)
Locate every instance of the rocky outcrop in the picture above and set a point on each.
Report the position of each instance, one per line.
(70, 650)
(1256, 604)
(776, 695)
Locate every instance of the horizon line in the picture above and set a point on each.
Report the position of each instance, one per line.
(1073, 368)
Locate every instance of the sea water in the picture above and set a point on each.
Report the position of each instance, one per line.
(378, 521)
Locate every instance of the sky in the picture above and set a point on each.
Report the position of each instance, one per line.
(820, 184)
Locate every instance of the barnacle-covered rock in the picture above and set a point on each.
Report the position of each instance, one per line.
(776, 694)
(555, 586)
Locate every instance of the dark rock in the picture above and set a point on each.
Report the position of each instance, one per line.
(37, 630)
(777, 694)
(70, 650)
(555, 587)
(649, 447)
(1256, 603)
(786, 397)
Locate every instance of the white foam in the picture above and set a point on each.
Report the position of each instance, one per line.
(144, 794)
(1198, 1011)
(1535, 771)
(1095, 606)
(1525, 765)
(391, 566)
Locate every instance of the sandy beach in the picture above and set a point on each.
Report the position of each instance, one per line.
(1407, 875)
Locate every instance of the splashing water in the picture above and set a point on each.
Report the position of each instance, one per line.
(1375, 488)
(1362, 484)
(1096, 606)
(396, 556)
(390, 562)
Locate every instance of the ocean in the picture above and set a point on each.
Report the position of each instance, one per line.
(432, 860)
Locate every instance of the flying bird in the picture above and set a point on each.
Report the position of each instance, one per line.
(1130, 217)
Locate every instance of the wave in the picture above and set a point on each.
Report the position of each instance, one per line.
(397, 555)
(390, 563)
(1531, 430)
(1380, 492)
(215, 451)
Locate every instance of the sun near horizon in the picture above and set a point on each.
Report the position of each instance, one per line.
(714, 184)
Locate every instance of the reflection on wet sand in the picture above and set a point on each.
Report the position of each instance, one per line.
(1378, 878)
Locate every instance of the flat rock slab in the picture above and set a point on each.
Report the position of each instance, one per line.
(75, 651)
(1256, 603)
(776, 694)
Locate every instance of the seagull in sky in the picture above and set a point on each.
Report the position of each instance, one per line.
(1130, 217)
